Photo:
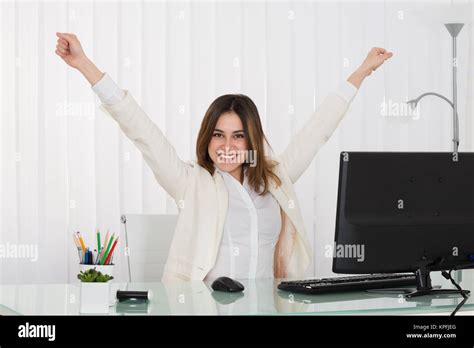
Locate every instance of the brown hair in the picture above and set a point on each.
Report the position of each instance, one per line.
(244, 107)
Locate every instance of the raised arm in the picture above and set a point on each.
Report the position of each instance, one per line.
(302, 149)
(169, 170)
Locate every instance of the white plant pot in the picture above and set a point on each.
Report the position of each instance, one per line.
(95, 298)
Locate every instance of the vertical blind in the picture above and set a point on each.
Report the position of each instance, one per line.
(66, 166)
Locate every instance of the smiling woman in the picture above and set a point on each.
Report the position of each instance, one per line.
(231, 137)
(239, 215)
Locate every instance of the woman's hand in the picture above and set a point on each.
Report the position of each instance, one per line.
(70, 50)
(376, 57)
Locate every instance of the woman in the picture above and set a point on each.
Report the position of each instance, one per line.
(238, 212)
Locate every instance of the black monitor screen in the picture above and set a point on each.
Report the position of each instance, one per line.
(397, 209)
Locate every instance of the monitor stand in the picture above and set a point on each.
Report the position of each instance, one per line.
(423, 286)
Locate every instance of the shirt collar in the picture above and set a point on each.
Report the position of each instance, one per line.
(220, 171)
(226, 173)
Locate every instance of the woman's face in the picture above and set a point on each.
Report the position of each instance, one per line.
(228, 145)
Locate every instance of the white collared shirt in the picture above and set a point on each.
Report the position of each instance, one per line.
(251, 231)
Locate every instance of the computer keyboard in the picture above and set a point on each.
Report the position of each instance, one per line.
(350, 283)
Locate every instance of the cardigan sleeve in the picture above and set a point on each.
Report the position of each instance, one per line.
(169, 170)
(302, 149)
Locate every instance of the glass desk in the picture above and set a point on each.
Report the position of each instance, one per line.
(260, 297)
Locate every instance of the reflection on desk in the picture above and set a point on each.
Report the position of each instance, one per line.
(261, 297)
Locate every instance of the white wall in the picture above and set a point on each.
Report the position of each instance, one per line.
(65, 166)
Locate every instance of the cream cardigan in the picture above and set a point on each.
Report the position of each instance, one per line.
(202, 197)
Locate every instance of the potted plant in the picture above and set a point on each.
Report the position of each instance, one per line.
(94, 291)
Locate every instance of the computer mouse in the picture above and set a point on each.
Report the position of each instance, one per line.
(227, 284)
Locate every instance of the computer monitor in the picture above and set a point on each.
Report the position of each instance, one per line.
(405, 212)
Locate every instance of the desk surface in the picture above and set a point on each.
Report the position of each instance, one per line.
(259, 298)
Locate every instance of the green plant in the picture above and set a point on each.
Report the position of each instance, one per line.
(93, 276)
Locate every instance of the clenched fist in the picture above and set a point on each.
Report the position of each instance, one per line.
(70, 50)
(375, 58)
